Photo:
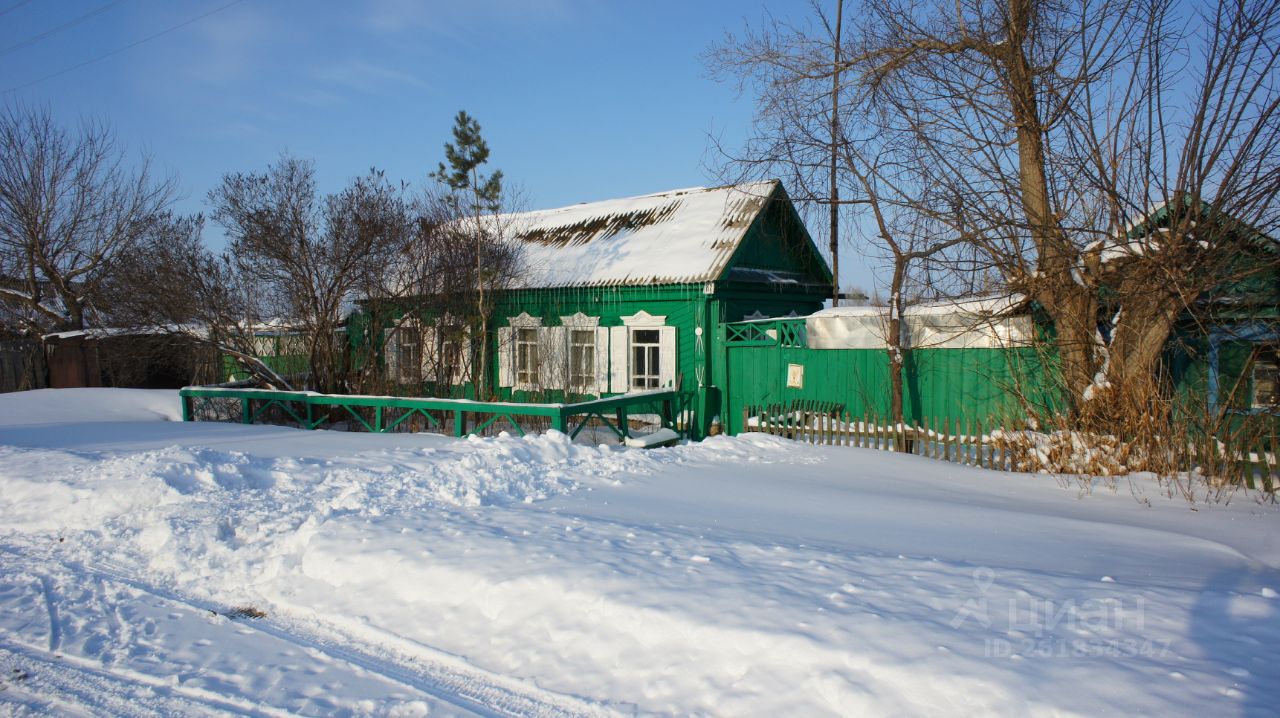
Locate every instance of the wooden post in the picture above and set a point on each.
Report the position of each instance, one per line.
(1272, 467)
(187, 413)
(459, 424)
(967, 438)
(982, 445)
(246, 410)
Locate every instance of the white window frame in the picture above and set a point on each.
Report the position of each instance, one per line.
(623, 376)
(1272, 356)
(458, 347)
(644, 368)
(523, 322)
(581, 374)
(526, 356)
(588, 383)
(395, 357)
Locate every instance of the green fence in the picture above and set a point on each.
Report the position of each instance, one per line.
(381, 414)
(769, 364)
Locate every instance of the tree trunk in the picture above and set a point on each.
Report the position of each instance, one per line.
(893, 337)
(1060, 287)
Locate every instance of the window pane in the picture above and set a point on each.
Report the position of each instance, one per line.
(645, 363)
(526, 356)
(1266, 379)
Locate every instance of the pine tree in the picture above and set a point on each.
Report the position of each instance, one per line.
(478, 198)
(472, 192)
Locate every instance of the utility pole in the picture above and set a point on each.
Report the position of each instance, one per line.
(835, 134)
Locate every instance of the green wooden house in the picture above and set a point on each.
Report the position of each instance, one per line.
(625, 295)
(1224, 358)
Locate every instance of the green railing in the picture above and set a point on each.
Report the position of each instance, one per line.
(381, 414)
(787, 332)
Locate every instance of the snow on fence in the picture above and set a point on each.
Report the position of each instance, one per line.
(986, 446)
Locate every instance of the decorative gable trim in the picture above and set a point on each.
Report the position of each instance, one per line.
(524, 321)
(644, 319)
(580, 321)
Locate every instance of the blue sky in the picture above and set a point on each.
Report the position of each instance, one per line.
(579, 99)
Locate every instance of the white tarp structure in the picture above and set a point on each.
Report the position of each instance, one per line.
(979, 323)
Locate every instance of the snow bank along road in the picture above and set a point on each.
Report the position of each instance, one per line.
(154, 568)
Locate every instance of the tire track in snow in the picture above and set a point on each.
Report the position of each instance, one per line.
(70, 685)
(51, 605)
(437, 674)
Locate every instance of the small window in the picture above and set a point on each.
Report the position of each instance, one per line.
(1266, 378)
(527, 357)
(582, 358)
(450, 353)
(408, 349)
(645, 362)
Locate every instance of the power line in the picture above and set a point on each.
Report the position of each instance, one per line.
(15, 6)
(119, 50)
(70, 23)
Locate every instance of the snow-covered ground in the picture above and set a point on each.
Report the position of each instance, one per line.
(154, 568)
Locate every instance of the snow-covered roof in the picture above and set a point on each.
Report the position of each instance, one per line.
(676, 237)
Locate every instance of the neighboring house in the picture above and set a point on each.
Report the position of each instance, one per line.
(1225, 356)
(628, 295)
(283, 349)
(129, 358)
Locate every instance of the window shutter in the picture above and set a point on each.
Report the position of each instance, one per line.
(618, 375)
(506, 356)
(430, 355)
(602, 360)
(462, 373)
(667, 356)
(553, 358)
(390, 353)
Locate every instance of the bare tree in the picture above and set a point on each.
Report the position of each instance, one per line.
(1062, 124)
(812, 127)
(798, 131)
(1104, 157)
(310, 254)
(175, 286)
(70, 209)
(431, 295)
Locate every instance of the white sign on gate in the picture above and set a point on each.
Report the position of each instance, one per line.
(795, 376)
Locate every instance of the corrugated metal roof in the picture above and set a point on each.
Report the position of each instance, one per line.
(676, 237)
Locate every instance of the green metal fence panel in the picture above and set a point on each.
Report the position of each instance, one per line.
(254, 404)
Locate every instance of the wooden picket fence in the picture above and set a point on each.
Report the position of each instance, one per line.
(971, 443)
(961, 442)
